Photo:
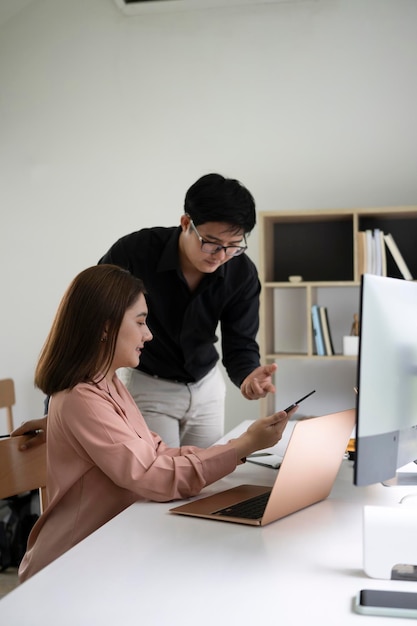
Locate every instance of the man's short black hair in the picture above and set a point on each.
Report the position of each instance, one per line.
(214, 198)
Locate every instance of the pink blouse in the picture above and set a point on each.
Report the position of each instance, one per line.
(101, 458)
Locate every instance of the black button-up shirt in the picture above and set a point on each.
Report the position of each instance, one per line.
(184, 322)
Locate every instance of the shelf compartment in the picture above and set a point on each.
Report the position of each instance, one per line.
(319, 249)
(290, 321)
(342, 303)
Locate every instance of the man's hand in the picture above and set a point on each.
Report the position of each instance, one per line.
(259, 382)
(36, 428)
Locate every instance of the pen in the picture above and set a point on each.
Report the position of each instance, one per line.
(29, 432)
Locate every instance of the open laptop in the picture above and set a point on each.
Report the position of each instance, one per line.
(309, 468)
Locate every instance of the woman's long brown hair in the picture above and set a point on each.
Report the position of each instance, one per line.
(92, 307)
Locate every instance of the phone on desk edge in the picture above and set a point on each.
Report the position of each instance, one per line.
(390, 603)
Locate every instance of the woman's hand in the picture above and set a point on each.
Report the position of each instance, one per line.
(263, 433)
(36, 428)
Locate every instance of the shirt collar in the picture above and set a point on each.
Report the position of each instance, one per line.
(169, 257)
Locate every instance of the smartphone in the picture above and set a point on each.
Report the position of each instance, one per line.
(298, 401)
(391, 603)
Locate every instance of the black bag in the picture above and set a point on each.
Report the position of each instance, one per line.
(16, 522)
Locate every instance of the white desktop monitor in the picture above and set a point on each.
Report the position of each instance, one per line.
(386, 416)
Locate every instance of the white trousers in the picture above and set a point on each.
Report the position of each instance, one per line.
(181, 413)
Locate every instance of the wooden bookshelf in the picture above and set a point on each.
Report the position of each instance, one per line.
(321, 246)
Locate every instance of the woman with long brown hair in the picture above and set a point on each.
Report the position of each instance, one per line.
(102, 456)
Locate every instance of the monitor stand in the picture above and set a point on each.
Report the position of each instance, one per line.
(402, 479)
(405, 479)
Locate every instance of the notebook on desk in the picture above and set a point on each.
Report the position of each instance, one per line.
(309, 468)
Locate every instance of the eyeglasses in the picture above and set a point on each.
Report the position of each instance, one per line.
(213, 248)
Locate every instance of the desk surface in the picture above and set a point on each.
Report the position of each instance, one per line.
(147, 566)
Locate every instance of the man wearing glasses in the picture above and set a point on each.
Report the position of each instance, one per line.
(197, 277)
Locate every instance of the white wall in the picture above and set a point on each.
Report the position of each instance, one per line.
(106, 120)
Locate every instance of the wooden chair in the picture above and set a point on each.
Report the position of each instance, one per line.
(7, 400)
(22, 471)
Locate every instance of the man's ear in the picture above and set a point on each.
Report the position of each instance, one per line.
(185, 221)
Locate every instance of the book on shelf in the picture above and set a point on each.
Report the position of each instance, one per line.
(325, 326)
(317, 331)
(362, 253)
(380, 234)
(380, 255)
(397, 256)
(370, 251)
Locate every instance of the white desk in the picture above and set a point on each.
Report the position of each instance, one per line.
(150, 567)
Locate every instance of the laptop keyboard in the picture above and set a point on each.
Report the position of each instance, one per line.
(248, 509)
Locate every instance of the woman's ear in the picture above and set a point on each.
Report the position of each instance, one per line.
(105, 333)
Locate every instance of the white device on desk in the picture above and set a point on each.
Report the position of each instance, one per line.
(389, 542)
(311, 463)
